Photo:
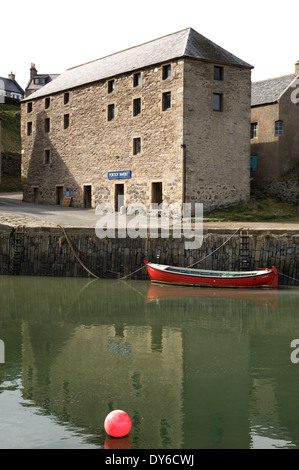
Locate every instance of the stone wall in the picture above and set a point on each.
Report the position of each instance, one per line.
(217, 142)
(47, 253)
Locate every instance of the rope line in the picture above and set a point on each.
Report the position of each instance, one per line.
(297, 280)
(75, 254)
(190, 266)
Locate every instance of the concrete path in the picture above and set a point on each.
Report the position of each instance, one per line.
(15, 212)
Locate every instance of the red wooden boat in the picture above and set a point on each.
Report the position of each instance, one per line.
(200, 277)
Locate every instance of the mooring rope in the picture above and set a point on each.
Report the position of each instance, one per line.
(75, 254)
(196, 262)
(290, 277)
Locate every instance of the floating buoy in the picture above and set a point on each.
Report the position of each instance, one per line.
(117, 423)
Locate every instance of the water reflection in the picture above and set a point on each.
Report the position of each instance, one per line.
(194, 368)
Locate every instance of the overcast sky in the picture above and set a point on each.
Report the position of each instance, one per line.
(59, 34)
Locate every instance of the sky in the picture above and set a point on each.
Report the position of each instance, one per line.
(60, 34)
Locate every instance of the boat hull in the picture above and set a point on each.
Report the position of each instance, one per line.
(162, 274)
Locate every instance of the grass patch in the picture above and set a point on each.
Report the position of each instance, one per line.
(10, 184)
(265, 209)
(11, 128)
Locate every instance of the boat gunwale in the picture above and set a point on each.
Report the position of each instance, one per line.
(211, 274)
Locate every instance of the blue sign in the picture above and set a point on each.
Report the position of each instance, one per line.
(119, 174)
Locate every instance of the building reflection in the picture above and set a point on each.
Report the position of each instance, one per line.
(191, 371)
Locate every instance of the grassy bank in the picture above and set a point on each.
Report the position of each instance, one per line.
(11, 136)
(10, 184)
(257, 210)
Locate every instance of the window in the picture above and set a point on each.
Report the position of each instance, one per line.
(110, 86)
(66, 98)
(47, 103)
(39, 81)
(278, 128)
(136, 106)
(253, 130)
(166, 72)
(136, 146)
(29, 107)
(217, 102)
(218, 73)
(29, 128)
(66, 121)
(47, 125)
(166, 100)
(47, 156)
(111, 113)
(157, 193)
(137, 79)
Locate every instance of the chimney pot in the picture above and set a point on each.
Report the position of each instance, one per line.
(297, 68)
(33, 71)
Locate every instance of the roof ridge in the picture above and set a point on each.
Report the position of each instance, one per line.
(275, 78)
(132, 47)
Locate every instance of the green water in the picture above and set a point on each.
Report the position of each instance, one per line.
(194, 368)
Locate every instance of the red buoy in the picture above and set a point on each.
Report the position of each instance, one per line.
(117, 423)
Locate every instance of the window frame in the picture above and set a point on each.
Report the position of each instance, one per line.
(166, 100)
(136, 79)
(110, 112)
(47, 156)
(110, 86)
(219, 108)
(278, 128)
(66, 98)
(254, 130)
(136, 107)
(166, 71)
(66, 121)
(136, 145)
(220, 76)
(47, 125)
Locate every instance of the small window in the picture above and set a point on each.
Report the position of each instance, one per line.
(136, 146)
(166, 100)
(218, 73)
(137, 79)
(47, 156)
(111, 113)
(47, 103)
(217, 102)
(66, 121)
(66, 98)
(136, 106)
(29, 107)
(110, 86)
(166, 73)
(29, 128)
(253, 130)
(47, 125)
(278, 128)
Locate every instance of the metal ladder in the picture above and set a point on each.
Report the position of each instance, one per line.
(18, 250)
(244, 250)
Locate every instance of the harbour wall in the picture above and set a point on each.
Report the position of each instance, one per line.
(80, 253)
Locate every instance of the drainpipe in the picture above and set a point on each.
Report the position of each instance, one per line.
(183, 147)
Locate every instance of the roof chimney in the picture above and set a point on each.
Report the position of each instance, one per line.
(11, 76)
(297, 68)
(33, 71)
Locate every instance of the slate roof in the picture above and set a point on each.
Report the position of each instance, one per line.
(185, 43)
(11, 85)
(268, 91)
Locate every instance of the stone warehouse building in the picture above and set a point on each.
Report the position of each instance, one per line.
(166, 121)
